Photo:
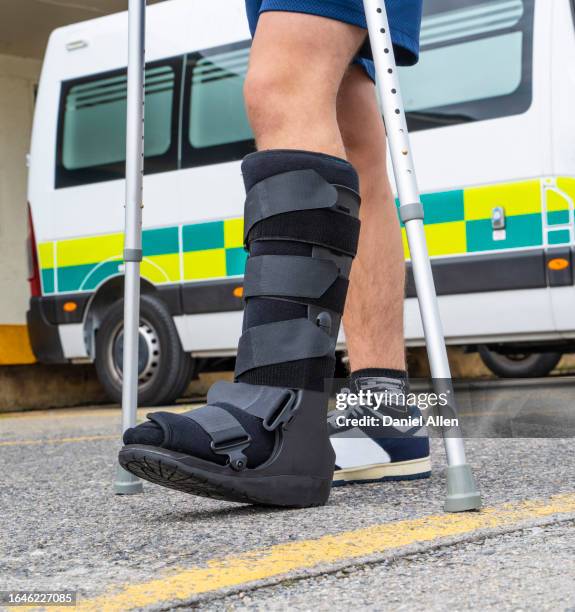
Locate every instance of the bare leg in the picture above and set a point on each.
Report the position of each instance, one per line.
(297, 63)
(373, 319)
(302, 94)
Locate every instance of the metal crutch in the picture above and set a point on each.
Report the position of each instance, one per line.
(126, 483)
(462, 493)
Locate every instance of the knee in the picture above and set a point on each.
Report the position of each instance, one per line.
(276, 98)
(266, 93)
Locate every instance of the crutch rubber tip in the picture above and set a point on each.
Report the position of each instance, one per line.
(126, 483)
(462, 492)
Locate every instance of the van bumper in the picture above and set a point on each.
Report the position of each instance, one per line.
(44, 336)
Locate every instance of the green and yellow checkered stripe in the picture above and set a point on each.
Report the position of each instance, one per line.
(208, 251)
(457, 222)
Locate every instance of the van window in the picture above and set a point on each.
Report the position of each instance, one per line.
(92, 126)
(217, 113)
(475, 62)
(216, 127)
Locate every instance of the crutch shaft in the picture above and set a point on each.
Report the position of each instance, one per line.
(431, 320)
(406, 181)
(462, 493)
(127, 483)
(135, 128)
(425, 286)
(130, 356)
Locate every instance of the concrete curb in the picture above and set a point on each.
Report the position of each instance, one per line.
(34, 387)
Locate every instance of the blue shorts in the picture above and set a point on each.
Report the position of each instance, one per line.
(404, 22)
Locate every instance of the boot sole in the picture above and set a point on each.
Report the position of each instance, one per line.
(401, 470)
(197, 477)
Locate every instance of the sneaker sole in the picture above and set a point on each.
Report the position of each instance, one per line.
(401, 470)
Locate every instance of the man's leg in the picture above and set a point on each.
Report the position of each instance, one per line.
(297, 63)
(263, 438)
(373, 317)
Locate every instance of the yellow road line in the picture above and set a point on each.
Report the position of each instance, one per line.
(67, 413)
(58, 440)
(37, 442)
(276, 561)
(61, 413)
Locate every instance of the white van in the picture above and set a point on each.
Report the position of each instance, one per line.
(491, 112)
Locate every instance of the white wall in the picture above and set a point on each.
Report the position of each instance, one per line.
(17, 79)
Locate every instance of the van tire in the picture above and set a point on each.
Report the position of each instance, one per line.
(165, 369)
(520, 365)
(187, 373)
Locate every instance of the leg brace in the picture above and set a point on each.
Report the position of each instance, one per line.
(301, 229)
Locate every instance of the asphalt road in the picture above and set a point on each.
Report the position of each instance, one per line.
(63, 528)
(529, 569)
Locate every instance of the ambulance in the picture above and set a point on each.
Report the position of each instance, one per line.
(491, 112)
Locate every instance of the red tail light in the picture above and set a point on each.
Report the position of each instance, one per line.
(33, 267)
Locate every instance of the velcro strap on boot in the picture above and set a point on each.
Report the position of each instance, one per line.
(227, 433)
(340, 233)
(298, 190)
(289, 276)
(281, 342)
(274, 405)
(308, 280)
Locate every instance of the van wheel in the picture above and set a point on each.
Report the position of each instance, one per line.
(164, 368)
(187, 373)
(518, 365)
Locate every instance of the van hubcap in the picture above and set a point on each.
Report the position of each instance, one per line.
(149, 354)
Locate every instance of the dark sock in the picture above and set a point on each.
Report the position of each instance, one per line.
(369, 378)
(393, 381)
